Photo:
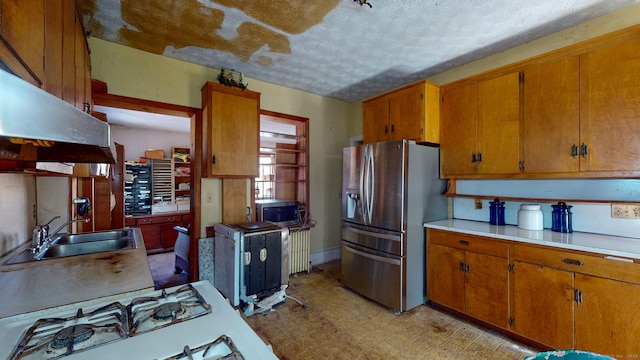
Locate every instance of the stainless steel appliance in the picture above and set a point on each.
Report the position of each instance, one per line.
(162, 324)
(37, 126)
(283, 212)
(389, 190)
(251, 262)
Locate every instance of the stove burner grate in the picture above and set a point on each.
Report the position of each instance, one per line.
(168, 311)
(69, 336)
(53, 338)
(154, 312)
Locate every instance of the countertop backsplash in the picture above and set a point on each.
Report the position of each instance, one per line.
(587, 217)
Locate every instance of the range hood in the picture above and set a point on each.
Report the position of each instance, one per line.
(36, 126)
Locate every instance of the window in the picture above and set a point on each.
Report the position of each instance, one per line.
(283, 159)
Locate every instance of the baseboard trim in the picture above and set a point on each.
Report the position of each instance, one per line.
(325, 255)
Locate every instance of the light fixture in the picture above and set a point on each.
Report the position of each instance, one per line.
(363, 2)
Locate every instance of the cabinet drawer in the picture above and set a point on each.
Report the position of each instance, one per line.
(596, 265)
(158, 219)
(466, 242)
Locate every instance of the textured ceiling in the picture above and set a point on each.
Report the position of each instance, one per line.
(334, 48)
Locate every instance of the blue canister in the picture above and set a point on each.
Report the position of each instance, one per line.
(561, 218)
(496, 212)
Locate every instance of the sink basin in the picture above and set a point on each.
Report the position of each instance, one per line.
(66, 245)
(81, 248)
(92, 236)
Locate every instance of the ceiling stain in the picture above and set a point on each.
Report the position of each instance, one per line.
(291, 16)
(89, 7)
(153, 25)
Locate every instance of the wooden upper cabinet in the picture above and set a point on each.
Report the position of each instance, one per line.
(68, 52)
(23, 29)
(551, 116)
(481, 127)
(458, 130)
(82, 67)
(411, 112)
(499, 125)
(53, 60)
(231, 123)
(375, 121)
(44, 43)
(610, 107)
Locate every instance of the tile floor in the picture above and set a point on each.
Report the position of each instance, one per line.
(340, 324)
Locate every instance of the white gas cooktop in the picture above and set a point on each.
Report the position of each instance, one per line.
(189, 321)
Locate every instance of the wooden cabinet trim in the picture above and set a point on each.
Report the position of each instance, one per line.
(590, 264)
(471, 243)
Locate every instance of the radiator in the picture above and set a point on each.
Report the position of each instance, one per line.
(299, 251)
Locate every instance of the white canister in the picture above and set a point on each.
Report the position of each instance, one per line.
(530, 217)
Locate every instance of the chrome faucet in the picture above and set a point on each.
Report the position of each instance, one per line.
(66, 224)
(41, 234)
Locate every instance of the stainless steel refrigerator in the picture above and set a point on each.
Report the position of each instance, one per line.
(389, 190)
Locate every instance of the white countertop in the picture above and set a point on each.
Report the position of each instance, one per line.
(603, 244)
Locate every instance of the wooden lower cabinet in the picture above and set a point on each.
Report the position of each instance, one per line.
(558, 298)
(446, 281)
(543, 305)
(157, 230)
(607, 318)
(469, 274)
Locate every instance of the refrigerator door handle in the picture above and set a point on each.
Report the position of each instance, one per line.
(367, 184)
(371, 256)
(372, 183)
(363, 203)
(391, 237)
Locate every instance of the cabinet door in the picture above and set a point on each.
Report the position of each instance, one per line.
(551, 116)
(406, 114)
(69, 51)
(23, 28)
(543, 304)
(458, 130)
(610, 107)
(445, 276)
(499, 124)
(234, 201)
(487, 288)
(233, 116)
(375, 121)
(607, 318)
(168, 235)
(151, 235)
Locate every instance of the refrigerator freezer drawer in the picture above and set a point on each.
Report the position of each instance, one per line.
(381, 240)
(375, 275)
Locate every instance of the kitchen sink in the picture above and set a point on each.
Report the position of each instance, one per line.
(80, 248)
(66, 245)
(92, 236)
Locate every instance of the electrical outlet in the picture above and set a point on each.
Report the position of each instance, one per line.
(478, 204)
(625, 211)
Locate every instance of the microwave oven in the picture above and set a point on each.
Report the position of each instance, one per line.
(283, 212)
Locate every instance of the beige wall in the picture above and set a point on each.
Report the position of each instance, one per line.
(137, 74)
